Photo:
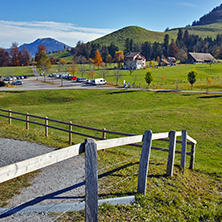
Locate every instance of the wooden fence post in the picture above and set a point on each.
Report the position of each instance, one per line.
(144, 162)
(9, 119)
(192, 157)
(27, 121)
(91, 188)
(184, 150)
(104, 133)
(70, 134)
(46, 128)
(171, 156)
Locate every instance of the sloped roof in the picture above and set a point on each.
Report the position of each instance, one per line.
(133, 54)
(202, 57)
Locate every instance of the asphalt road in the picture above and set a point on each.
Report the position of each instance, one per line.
(49, 83)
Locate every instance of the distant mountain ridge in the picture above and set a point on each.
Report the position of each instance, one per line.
(51, 45)
(212, 17)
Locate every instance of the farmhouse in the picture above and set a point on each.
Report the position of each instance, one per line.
(134, 60)
(194, 58)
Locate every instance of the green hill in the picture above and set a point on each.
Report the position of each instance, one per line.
(136, 33)
(142, 35)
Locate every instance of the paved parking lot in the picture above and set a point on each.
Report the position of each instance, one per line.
(39, 82)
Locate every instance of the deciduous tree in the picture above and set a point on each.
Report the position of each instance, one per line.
(4, 58)
(73, 68)
(192, 77)
(119, 57)
(149, 77)
(98, 59)
(173, 49)
(14, 54)
(43, 63)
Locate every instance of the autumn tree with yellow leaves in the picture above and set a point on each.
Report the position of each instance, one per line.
(98, 59)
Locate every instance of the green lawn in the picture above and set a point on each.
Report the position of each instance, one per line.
(16, 71)
(195, 196)
(164, 77)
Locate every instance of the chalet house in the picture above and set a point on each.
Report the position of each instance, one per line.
(194, 58)
(170, 61)
(134, 60)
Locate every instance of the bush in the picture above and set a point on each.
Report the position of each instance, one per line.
(2, 84)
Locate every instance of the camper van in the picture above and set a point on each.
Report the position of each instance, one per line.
(100, 81)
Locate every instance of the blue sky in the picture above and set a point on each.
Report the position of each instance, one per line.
(69, 20)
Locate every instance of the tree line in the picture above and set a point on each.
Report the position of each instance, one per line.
(86, 52)
(14, 57)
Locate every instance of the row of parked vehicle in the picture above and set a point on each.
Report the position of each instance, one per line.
(98, 81)
(13, 78)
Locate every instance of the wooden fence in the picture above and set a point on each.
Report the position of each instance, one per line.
(90, 147)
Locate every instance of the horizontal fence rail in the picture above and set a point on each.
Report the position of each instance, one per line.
(159, 136)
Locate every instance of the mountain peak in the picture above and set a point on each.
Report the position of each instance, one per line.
(51, 45)
(213, 16)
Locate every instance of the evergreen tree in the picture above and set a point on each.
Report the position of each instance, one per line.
(166, 45)
(127, 46)
(112, 49)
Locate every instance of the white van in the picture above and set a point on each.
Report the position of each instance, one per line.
(100, 81)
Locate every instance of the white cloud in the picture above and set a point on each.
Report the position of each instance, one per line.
(26, 32)
(186, 4)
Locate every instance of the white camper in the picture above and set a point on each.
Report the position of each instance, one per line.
(100, 81)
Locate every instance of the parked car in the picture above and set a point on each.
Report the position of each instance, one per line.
(99, 81)
(73, 78)
(80, 79)
(18, 82)
(89, 81)
(8, 79)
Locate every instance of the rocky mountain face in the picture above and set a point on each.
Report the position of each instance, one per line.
(214, 16)
(51, 45)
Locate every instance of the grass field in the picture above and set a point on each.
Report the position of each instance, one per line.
(16, 71)
(174, 78)
(164, 77)
(195, 196)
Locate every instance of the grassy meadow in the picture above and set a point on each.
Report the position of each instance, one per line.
(195, 196)
(174, 78)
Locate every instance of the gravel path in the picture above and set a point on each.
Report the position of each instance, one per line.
(59, 183)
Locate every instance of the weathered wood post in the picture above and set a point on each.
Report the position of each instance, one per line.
(184, 150)
(171, 156)
(144, 162)
(104, 133)
(91, 188)
(70, 134)
(46, 126)
(9, 119)
(27, 121)
(104, 136)
(192, 157)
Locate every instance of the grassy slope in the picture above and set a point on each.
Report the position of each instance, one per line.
(139, 34)
(136, 33)
(203, 30)
(195, 195)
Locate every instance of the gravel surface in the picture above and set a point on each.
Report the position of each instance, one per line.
(59, 183)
